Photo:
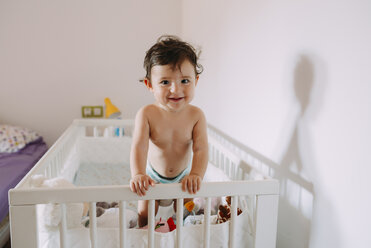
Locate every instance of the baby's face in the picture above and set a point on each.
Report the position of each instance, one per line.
(173, 87)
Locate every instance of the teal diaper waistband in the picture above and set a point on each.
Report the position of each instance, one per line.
(161, 179)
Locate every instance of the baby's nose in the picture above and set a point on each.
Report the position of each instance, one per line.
(174, 87)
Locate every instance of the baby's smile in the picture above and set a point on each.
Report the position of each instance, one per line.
(176, 99)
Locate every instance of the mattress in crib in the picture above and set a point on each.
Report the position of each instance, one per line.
(90, 174)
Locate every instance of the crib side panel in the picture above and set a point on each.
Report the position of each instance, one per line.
(53, 163)
(23, 226)
(266, 221)
(244, 164)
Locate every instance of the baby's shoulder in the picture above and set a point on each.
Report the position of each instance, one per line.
(148, 109)
(145, 112)
(196, 111)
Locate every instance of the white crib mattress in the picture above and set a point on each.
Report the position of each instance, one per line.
(90, 174)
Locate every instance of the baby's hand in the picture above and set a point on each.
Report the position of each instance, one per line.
(140, 184)
(192, 183)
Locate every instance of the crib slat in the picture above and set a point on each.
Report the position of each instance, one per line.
(151, 223)
(49, 170)
(227, 161)
(232, 171)
(93, 224)
(221, 159)
(207, 223)
(60, 160)
(123, 232)
(51, 166)
(121, 133)
(95, 132)
(63, 227)
(179, 222)
(232, 228)
(54, 166)
(213, 159)
(226, 170)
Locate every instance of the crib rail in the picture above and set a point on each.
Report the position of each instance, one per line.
(117, 193)
(51, 163)
(264, 190)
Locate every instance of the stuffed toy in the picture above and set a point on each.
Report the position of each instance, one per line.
(100, 209)
(108, 215)
(200, 204)
(224, 213)
(163, 226)
(50, 213)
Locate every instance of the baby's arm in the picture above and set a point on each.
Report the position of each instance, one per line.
(192, 182)
(140, 181)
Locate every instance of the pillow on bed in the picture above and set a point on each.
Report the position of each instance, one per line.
(12, 138)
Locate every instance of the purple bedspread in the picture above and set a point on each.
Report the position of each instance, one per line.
(14, 166)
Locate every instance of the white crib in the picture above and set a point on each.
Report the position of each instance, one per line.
(262, 194)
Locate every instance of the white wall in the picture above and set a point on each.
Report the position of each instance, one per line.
(56, 56)
(291, 80)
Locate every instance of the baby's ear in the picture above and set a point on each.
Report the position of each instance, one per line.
(147, 82)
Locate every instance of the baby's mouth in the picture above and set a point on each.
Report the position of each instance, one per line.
(175, 99)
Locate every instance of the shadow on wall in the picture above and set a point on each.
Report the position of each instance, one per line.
(297, 171)
(300, 188)
(297, 194)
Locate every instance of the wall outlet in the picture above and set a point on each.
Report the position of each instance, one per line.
(92, 111)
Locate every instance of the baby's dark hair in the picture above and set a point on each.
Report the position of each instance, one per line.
(170, 50)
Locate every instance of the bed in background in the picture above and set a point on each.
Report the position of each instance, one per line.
(20, 149)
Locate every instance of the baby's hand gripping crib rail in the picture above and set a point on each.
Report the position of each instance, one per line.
(262, 194)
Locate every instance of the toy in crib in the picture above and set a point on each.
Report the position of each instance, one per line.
(51, 213)
(100, 209)
(224, 213)
(108, 215)
(190, 208)
(196, 207)
(162, 226)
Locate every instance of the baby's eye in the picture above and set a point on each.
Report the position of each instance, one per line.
(164, 82)
(185, 81)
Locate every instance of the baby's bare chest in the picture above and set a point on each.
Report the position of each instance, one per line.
(168, 135)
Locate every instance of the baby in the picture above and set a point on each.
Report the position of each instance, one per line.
(171, 131)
